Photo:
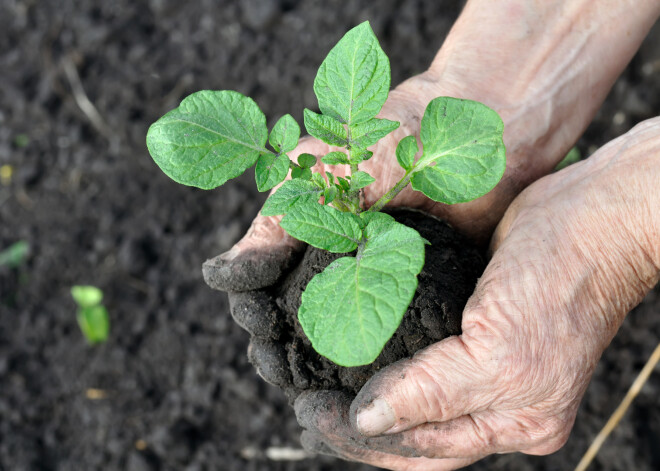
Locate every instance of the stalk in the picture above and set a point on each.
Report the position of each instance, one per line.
(389, 196)
(353, 196)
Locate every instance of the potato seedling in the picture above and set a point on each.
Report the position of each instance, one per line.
(351, 309)
(92, 316)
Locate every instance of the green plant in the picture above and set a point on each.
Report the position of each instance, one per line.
(574, 155)
(92, 316)
(15, 255)
(353, 307)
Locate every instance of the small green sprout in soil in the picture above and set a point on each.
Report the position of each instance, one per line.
(92, 316)
(351, 309)
(21, 140)
(15, 255)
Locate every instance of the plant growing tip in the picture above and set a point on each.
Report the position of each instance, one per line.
(92, 316)
(214, 136)
(15, 255)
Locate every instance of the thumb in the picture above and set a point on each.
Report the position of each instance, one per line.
(444, 381)
(256, 261)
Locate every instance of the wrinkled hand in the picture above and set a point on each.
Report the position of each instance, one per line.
(572, 255)
(545, 67)
(263, 254)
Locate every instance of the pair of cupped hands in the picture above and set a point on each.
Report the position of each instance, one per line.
(571, 253)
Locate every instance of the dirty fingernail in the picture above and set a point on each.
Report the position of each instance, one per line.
(376, 418)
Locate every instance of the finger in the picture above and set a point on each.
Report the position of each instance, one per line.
(323, 410)
(314, 443)
(257, 313)
(265, 252)
(270, 361)
(442, 382)
(466, 437)
(478, 435)
(258, 260)
(325, 416)
(393, 462)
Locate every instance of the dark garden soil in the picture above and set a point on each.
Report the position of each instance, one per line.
(172, 388)
(446, 282)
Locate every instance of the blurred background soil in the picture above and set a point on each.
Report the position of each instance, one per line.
(172, 389)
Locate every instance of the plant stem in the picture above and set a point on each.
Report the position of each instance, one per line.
(389, 196)
(354, 195)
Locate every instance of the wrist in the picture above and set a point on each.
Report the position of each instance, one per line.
(619, 228)
(636, 169)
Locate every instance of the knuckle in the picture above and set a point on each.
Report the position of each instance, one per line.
(426, 444)
(428, 381)
(550, 446)
(546, 436)
(485, 437)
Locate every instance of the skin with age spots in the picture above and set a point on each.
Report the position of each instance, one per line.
(571, 255)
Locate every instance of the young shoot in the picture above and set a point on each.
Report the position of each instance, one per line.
(351, 309)
(92, 316)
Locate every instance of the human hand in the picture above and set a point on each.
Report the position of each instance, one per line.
(502, 55)
(544, 67)
(572, 255)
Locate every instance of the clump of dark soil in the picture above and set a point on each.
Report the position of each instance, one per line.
(446, 282)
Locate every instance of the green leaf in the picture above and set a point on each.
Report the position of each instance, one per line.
(572, 157)
(325, 128)
(211, 137)
(323, 227)
(318, 179)
(301, 173)
(360, 155)
(464, 154)
(21, 140)
(292, 192)
(368, 216)
(14, 255)
(271, 170)
(330, 194)
(354, 79)
(405, 152)
(343, 183)
(87, 296)
(331, 177)
(306, 160)
(351, 309)
(335, 158)
(370, 132)
(361, 179)
(94, 323)
(285, 134)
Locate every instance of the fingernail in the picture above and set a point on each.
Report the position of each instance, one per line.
(376, 418)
